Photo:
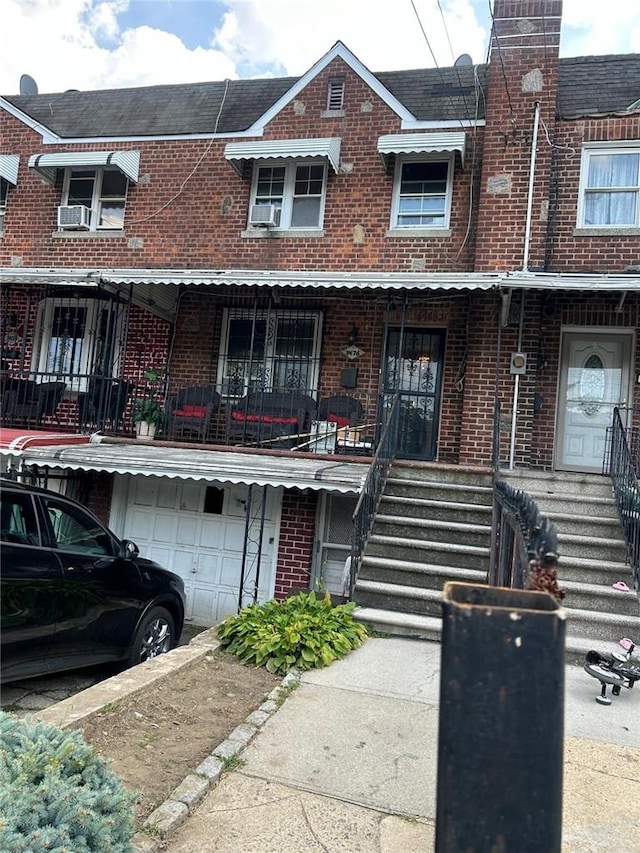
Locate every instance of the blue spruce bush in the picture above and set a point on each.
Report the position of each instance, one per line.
(57, 794)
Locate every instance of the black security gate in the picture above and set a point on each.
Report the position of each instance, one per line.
(413, 370)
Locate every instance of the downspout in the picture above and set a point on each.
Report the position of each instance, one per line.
(525, 268)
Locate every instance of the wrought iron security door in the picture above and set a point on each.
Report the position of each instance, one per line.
(413, 368)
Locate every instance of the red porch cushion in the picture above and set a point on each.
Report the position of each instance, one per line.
(191, 411)
(265, 419)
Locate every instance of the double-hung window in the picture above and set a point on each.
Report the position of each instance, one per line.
(610, 188)
(422, 193)
(270, 350)
(102, 190)
(296, 189)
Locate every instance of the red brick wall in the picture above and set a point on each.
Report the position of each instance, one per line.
(295, 549)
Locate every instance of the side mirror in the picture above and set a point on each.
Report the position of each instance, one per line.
(129, 550)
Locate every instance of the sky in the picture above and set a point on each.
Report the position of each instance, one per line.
(106, 44)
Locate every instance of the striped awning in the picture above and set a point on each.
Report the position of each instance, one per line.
(9, 167)
(420, 143)
(47, 165)
(239, 152)
(158, 459)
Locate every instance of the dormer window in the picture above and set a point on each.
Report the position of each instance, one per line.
(335, 95)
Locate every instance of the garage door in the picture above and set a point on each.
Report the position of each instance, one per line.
(198, 531)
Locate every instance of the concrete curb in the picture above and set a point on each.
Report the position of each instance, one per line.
(165, 820)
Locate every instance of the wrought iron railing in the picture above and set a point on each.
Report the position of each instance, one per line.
(622, 466)
(524, 546)
(495, 448)
(365, 511)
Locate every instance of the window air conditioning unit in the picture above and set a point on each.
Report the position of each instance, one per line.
(265, 215)
(74, 216)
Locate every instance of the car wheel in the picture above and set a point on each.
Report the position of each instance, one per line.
(154, 636)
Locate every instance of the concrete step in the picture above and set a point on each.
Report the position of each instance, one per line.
(425, 472)
(434, 530)
(430, 628)
(382, 621)
(606, 627)
(433, 490)
(394, 596)
(562, 506)
(415, 507)
(584, 569)
(591, 547)
(416, 574)
(600, 599)
(585, 525)
(428, 551)
(558, 483)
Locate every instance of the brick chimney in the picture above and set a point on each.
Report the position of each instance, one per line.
(523, 72)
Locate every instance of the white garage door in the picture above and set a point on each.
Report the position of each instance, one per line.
(198, 531)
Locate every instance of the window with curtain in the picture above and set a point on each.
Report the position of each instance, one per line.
(610, 193)
(422, 193)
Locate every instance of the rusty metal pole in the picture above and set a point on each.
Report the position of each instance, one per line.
(501, 721)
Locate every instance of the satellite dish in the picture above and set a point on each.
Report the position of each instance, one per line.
(28, 85)
(463, 59)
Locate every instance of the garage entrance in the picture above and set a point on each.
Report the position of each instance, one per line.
(199, 530)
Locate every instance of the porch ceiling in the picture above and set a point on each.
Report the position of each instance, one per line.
(159, 459)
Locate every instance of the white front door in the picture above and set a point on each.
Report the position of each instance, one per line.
(594, 378)
(197, 530)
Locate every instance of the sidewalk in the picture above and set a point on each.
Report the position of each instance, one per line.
(348, 765)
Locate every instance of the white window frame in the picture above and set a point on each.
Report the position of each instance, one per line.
(288, 195)
(589, 151)
(403, 159)
(97, 199)
(4, 191)
(43, 332)
(270, 357)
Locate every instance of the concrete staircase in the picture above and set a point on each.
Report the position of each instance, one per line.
(434, 525)
(592, 557)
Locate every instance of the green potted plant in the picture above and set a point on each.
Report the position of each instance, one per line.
(148, 413)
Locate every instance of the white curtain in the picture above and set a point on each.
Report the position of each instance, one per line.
(617, 205)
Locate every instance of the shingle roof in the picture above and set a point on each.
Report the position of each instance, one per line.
(587, 85)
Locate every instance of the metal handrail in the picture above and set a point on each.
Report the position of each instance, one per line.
(495, 448)
(367, 504)
(524, 546)
(623, 470)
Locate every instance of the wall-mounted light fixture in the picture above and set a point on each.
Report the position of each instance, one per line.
(353, 335)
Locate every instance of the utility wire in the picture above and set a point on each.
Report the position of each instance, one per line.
(195, 168)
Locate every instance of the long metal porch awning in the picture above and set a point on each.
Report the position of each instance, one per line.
(303, 471)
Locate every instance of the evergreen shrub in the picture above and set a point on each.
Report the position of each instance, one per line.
(57, 794)
(302, 631)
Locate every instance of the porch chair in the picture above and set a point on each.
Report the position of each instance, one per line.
(189, 412)
(277, 419)
(104, 401)
(49, 396)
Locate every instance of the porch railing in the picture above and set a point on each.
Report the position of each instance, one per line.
(364, 513)
(622, 465)
(524, 546)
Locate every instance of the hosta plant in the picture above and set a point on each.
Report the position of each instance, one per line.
(302, 631)
(57, 793)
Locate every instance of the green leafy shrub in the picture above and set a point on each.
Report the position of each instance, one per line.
(302, 631)
(57, 794)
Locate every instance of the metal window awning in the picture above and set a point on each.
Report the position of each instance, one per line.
(238, 152)
(47, 165)
(420, 143)
(9, 167)
(305, 471)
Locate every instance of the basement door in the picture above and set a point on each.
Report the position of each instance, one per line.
(333, 546)
(197, 530)
(595, 377)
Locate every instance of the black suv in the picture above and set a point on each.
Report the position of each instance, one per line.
(73, 594)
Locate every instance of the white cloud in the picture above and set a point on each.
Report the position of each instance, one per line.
(81, 44)
(292, 34)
